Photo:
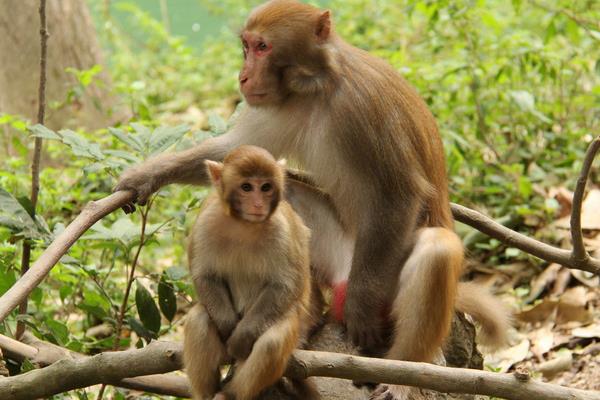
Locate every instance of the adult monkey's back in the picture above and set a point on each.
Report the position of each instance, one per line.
(371, 143)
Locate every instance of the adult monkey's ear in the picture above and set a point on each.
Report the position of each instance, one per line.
(215, 172)
(323, 26)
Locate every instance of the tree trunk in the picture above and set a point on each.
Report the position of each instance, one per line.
(72, 44)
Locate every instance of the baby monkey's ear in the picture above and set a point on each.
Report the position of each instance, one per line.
(282, 162)
(215, 172)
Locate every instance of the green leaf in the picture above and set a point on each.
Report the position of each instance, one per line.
(27, 205)
(41, 131)
(127, 138)
(144, 134)
(124, 155)
(14, 216)
(81, 146)
(7, 279)
(59, 331)
(166, 298)
(176, 273)
(164, 137)
(217, 124)
(147, 309)
(139, 328)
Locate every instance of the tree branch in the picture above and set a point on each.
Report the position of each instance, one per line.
(93, 212)
(96, 210)
(161, 357)
(580, 255)
(37, 152)
(515, 239)
(44, 353)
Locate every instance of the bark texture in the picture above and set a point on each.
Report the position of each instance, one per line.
(72, 44)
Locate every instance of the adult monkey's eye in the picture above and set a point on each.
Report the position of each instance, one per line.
(266, 187)
(246, 187)
(262, 46)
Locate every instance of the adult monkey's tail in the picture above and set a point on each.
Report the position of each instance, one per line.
(487, 310)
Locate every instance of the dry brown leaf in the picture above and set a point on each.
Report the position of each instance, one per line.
(562, 362)
(542, 340)
(542, 281)
(564, 197)
(590, 215)
(502, 360)
(541, 311)
(589, 279)
(572, 306)
(562, 281)
(587, 332)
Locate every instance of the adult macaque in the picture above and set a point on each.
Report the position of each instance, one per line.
(248, 257)
(370, 142)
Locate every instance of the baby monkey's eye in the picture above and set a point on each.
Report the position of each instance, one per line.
(266, 187)
(246, 187)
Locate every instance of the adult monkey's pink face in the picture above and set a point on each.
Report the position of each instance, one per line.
(257, 83)
(282, 44)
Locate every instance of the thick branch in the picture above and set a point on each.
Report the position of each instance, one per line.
(93, 212)
(111, 367)
(161, 357)
(44, 353)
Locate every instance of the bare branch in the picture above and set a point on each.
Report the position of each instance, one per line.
(37, 151)
(96, 210)
(579, 254)
(161, 357)
(515, 239)
(93, 212)
(63, 374)
(44, 353)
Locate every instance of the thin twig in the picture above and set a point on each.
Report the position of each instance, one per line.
(130, 278)
(37, 152)
(579, 252)
(515, 239)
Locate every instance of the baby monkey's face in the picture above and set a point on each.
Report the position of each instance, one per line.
(254, 199)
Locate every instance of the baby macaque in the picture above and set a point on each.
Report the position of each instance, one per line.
(249, 260)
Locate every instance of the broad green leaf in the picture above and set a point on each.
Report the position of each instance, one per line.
(166, 298)
(123, 155)
(7, 279)
(15, 217)
(164, 137)
(129, 139)
(80, 145)
(144, 135)
(176, 273)
(41, 131)
(59, 331)
(146, 307)
(139, 328)
(217, 124)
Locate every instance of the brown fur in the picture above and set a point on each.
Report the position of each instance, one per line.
(370, 142)
(490, 312)
(253, 285)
